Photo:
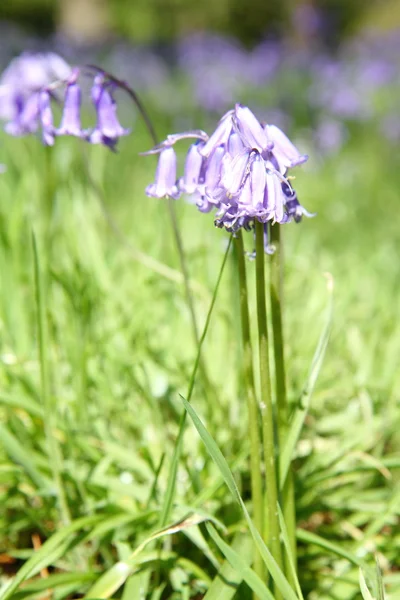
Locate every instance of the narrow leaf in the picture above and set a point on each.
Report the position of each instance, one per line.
(217, 456)
(237, 562)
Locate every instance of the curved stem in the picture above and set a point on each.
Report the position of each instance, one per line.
(170, 492)
(276, 279)
(171, 209)
(252, 406)
(271, 494)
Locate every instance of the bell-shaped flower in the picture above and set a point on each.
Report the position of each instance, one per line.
(26, 118)
(193, 164)
(46, 118)
(235, 144)
(108, 129)
(220, 135)
(233, 172)
(165, 180)
(250, 129)
(71, 120)
(283, 150)
(292, 205)
(273, 198)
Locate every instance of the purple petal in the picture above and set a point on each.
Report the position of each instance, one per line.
(46, 118)
(273, 198)
(193, 164)
(234, 171)
(108, 129)
(284, 151)
(250, 129)
(213, 169)
(27, 117)
(220, 135)
(165, 180)
(258, 181)
(71, 121)
(235, 144)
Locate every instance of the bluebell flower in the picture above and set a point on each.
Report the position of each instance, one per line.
(46, 118)
(71, 119)
(32, 82)
(165, 180)
(240, 171)
(108, 129)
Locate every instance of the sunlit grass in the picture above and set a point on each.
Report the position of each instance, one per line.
(120, 352)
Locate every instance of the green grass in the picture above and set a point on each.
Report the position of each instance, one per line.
(119, 352)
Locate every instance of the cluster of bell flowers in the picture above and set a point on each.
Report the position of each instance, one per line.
(241, 171)
(33, 82)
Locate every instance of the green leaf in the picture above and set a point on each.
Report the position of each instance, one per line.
(304, 402)
(288, 548)
(228, 579)
(379, 580)
(366, 594)
(116, 576)
(173, 470)
(313, 538)
(243, 569)
(21, 456)
(52, 550)
(217, 456)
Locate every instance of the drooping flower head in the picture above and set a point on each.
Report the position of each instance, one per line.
(32, 83)
(240, 171)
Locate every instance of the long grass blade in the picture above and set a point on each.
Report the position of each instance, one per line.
(228, 578)
(217, 456)
(170, 492)
(243, 569)
(305, 398)
(51, 550)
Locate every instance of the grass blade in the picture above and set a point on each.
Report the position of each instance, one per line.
(22, 457)
(237, 562)
(313, 538)
(51, 550)
(366, 594)
(228, 579)
(288, 548)
(55, 459)
(170, 492)
(116, 576)
(305, 398)
(217, 456)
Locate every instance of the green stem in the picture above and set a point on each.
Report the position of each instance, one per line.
(276, 281)
(184, 269)
(170, 492)
(252, 407)
(188, 290)
(271, 493)
(55, 458)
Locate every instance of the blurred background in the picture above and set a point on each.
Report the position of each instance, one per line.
(314, 66)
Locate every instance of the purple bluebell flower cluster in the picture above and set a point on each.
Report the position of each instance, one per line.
(240, 171)
(34, 82)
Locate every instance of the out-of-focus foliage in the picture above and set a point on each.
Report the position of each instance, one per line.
(157, 20)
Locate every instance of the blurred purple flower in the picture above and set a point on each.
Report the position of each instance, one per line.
(46, 118)
(330, 135)
(71, 121)
(108, 129)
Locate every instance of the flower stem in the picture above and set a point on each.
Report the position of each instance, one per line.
(276, 279)
(252, 407)
(271, 493)
(54, 452)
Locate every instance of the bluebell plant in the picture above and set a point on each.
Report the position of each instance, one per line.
(240, 171)
(34, 82)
